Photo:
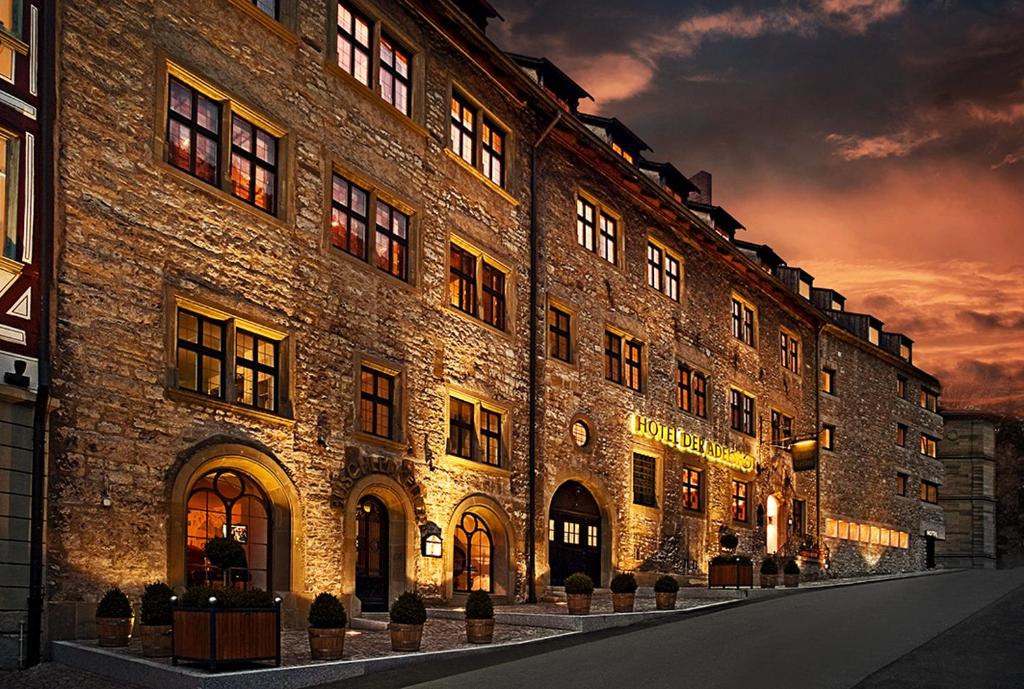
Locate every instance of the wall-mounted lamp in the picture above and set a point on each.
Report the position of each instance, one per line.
(430, 540)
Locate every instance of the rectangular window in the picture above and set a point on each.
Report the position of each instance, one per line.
(462, 280)
(739, 501)
(663, 271)
(395, 78)
(901, 434)
(586, 227)
(376, 402)
(492, 148)
(790, 349)
(741, 412)
(644, 480)
(655, 260)
(929, 491)
(193, 132)
(929, 400)
(559, 334)
(828, 437)
(828, 380)
(901, 387)
(471, 275)
(201, 356)
(799, 517)
(684, 391)
(349, 216)
(928, 445)
(612, 357)
(622, 360)
(609, 238)
(782, 429)
(253, 164)
(690, 489)
(490, 432)
(672, 277)
(256, 370)
(570, 533)
(551, 530)
(11, 19)
(461, 428)
(700, 395)
(10, 187)
(493, 306)
(901, 483)
(591, 536)
(269, 7)
(743, 321)
(633, 368)
(353, 43)
(391, 249)
(463, 130)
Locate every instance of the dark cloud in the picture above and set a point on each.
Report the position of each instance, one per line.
(1009, 321)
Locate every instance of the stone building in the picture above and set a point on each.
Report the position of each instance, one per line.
(306, 252)
(967, 451)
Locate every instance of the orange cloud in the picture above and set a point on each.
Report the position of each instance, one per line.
(852, 147)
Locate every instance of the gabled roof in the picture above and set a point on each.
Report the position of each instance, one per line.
(480, 11)
(619, 132)
(553, 78)
(719, 215)
(674, 179)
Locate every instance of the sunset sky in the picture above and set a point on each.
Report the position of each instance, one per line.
(878, 144)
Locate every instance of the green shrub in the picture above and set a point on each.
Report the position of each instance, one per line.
(156, 604)
(666, 584)
(225, 552)
(408, 608)
(479, 606)
(579, 583)
(227, 599)
(327, 612)
(623, 583)
(729, 541)
(791, 567)
(114, 604)
(769, 566)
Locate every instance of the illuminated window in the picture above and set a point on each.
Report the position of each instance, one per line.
(471, 127)
(395, 79)
(684, 388)
(471, 274)
(690, 489)
(613, 357)
(700, 395)
(873, 336)
(492, 147)
(743, 321)
(351, 208)
(901, 483)
(663, 271)
(633, 365)
(828, 437)
(782, 429)
(622, 360)
(377, 402)
(586, 224)
(253, 164)
(644, 480)
(928, 445)
(843, 530)
(349, 216)
(580, 433)
(929, 491)
(790, 350)
(741, 412)
(256, 370)
(830, 527)
(876, 535)
(10, 24)
(463, 129)
(461, 428)
(739, 501)
(559, 334)
(391, 250)
(551, 530)
(828, 380)
(473, 561)
(201, 355)
(901, 387)
(10, 186)
(626, 155)
(865, 533)
(901, 434)
(854, 531)
(591, 536)
(476, 431)
(570, 533)
(228, 503)
(929, 400)
(609, 238)
(904, 539)
(353, 43)
(193, 132)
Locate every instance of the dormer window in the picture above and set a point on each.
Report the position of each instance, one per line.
(873, 335)
(905, 351)
(626, 155)
(805, 289)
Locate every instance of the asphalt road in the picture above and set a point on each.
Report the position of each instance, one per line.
(959, 630)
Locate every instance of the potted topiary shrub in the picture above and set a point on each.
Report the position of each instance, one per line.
(327, 627)
(227, 555)
(227, 626)
(155, 611)
(114, 618)
(623, 588)
(479, 618)
(729, 541)
(579, 589)
(666, 589)
(769, 573)
(791, 573)
(408, 615)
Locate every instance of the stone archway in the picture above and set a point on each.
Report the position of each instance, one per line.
(479, 517)
(579, 534)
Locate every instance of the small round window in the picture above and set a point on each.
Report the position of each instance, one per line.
(580, 433)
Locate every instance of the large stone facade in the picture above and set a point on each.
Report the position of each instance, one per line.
(143, 241)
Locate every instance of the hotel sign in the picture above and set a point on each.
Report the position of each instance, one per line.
(684, 441)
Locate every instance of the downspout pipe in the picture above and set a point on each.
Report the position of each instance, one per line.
(37, 533)
(535, 324)
(817, 440)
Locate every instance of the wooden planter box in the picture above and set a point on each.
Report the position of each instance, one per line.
(736, 574)
(216, 636)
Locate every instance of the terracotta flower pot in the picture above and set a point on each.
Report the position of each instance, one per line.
(623, 602)
(326, 644)
(480, 631)
(405, 637)
(768, 581)
(579, 603)
(156, 640)
(114, 631)
(665, 600)
(791, 580)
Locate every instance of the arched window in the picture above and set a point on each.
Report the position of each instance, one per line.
(474, 551)
(226, 502)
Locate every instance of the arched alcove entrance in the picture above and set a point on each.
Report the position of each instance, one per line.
(574, 533)
(372, 556)
(480, 557)
(772, 525)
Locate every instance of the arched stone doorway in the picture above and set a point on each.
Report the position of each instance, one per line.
(772, 525)
(574, 533)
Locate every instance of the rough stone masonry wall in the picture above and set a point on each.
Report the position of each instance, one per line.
(133, 229)
(859, 475)
(697, 332)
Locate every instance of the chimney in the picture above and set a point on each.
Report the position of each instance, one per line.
(701, 180)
